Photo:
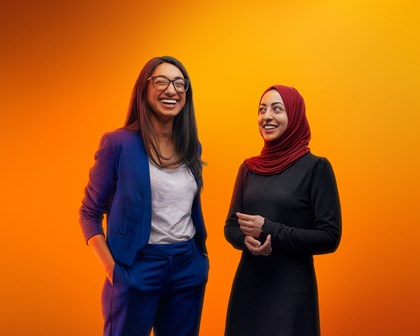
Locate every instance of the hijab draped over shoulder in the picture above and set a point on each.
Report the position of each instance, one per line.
(279, 154)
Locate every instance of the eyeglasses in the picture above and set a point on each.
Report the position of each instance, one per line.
(161, 83)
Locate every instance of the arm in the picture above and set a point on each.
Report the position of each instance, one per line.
(99, 190)
(326, 234)
(98, 194)
(233, 233)
(102, 252)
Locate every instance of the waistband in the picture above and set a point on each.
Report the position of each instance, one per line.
(169, 249)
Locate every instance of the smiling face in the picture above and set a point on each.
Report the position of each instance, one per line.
(272, 116)
(166, 104)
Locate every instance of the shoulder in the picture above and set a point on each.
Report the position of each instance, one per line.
(319, 168)
(122, 141)
(312, 166)
(312, 161)
(121, 138)
(243, 171)
(121, 135)
(243, 168)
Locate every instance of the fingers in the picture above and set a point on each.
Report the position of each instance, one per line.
(266, 247)
(257, 250)
(267, 242)
(247, 230)
(250, 231)
(250, 224)
(254, 250)
(247, 219)
(255, 246)
(255, 243)
(243, 216)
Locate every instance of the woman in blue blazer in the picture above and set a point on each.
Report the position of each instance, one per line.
(147, 180)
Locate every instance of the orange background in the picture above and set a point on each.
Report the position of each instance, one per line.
(66, 74)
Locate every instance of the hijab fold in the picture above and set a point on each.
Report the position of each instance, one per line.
(279, 154)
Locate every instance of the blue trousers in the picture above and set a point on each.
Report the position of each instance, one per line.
(163, 290)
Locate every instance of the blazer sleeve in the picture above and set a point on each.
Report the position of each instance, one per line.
(326, 234)
(233, 233)
(100, 188)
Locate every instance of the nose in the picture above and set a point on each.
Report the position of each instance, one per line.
(268, 115)
(171, 89)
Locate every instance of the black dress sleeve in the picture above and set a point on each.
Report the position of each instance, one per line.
(324, 200)
(233, 233)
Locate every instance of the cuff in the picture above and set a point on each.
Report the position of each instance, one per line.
(268, 226)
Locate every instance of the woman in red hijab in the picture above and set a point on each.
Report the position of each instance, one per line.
(285, 209)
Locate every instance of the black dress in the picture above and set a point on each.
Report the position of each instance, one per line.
(277, 295)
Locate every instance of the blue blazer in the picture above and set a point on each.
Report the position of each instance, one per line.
(119, 186)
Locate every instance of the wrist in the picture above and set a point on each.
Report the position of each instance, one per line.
(263, 226)
(109, 267)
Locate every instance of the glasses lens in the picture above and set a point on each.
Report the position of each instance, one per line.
(181, 85)
(160, 83)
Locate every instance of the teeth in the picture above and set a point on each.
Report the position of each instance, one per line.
(168, 101)
(269, 127)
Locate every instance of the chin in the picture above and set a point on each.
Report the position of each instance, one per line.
(270, 137)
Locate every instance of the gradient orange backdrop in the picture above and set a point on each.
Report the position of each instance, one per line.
(67, 70)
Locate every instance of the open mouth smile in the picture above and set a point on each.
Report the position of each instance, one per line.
(269, 127)
(169, 102)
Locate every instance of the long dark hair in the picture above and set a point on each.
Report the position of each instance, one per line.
(184, 130)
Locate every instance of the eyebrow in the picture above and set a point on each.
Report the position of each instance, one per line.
(178, 77)
(262, 104)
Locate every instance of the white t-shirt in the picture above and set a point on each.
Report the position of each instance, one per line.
(173, 192)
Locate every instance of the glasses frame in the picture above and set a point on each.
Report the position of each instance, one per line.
(171, 81)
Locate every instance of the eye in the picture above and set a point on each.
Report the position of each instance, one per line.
(179, 84)
(278, 108)
(261, 110)
(161, 81)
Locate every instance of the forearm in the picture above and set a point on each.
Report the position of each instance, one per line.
(306, 241)
(232, 230)
(234, 235)
(99, 190)
(102, 252)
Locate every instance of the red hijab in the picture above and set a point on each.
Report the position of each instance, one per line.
(279, 154)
